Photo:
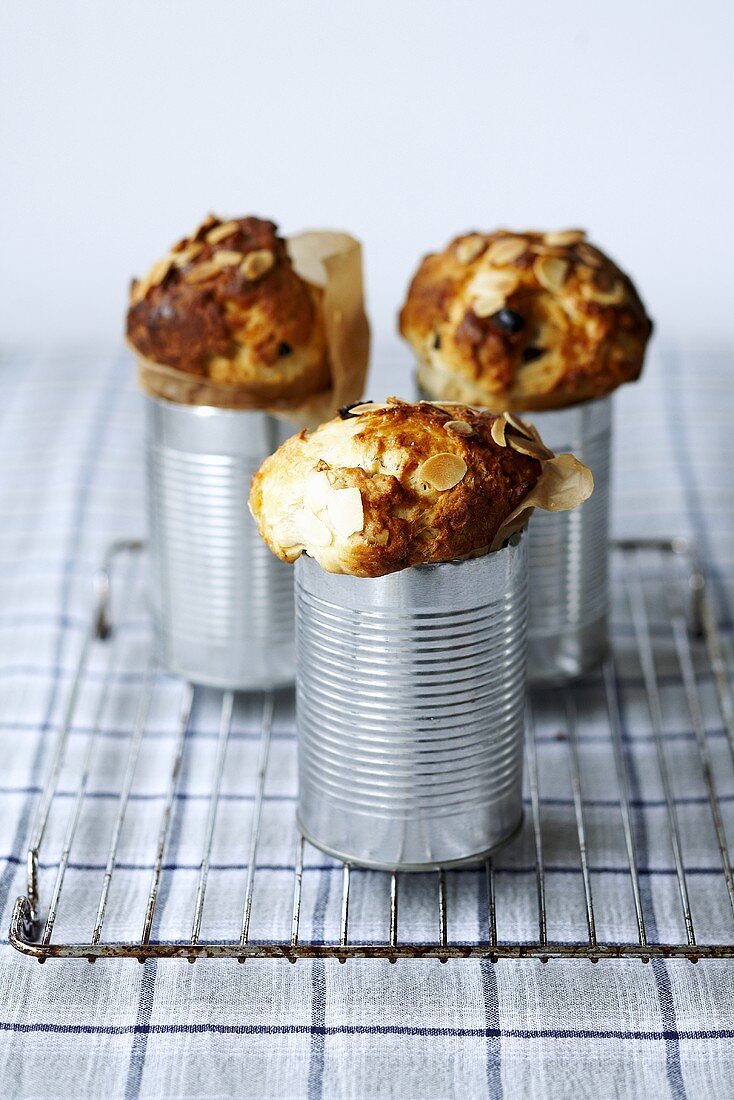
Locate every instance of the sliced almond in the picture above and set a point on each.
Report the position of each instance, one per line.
(139, 289)
(518, 424)
(613, 297)
(442, 471)
(506, 250)
(530, 447)
(551, 272)
(345, 510)
(368, 407)
(564, 237)
(257, 263)
(499, 427)
(158, 271)
(493, 281)
(186, 255)
(202, 272)
(589, 255)
(209, 221)
(226, 258)
(317, 491)
(487, 307)
(459, 427)
(469, 248)
(311, 529)
(221, 232)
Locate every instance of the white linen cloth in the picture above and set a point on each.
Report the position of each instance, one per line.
(70, 483)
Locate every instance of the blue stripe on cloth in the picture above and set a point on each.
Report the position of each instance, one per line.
(662, 977)
(87, 473)
(123, 734)
(525, 869)
(138, 676)
(563, 1034)
(317, 1052)
(146, 998)
(490, 997)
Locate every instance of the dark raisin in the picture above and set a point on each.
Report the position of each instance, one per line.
(284, 349)
(345, 412)
(437, 342)
(530, 354)
(509, 320)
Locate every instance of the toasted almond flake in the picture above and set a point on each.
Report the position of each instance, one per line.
(226, 258)
(186, 255)
(613, 297)
(506, 250)
(158, 271)
(468, 248)
(493, 281)
(551, 271)
(221, 232)
(530, 447)
(201, 272)
(487, 307)
(317, 491)
(460, 427)
(345, 510)
(257, 263)
(311, 529)
(518, 424)
(564, 237)
(442, 471)
(499, 426)
(589, 255)
(205, 225)
(140, 288)
(368, 407)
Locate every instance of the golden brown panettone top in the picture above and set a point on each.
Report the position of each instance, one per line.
(384, 487)
(226, 304)
(524, 321)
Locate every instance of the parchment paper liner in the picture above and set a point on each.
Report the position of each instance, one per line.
(565, 483)
(327, 259)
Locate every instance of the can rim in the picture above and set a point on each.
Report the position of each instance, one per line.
(203, 410)
(510, 543)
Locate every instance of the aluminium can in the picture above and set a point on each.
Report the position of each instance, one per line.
(569, 553)
(410, 694)
(222, 603)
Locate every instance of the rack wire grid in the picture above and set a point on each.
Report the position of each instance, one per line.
(623, 852)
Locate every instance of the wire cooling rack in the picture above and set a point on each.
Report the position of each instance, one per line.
(623, 853)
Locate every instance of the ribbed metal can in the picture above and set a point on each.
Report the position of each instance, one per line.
(568, 552)
(410, 695)
(222, 603)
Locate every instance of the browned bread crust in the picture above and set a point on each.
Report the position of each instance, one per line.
(226, 304)
(384, 487)
(524, 321)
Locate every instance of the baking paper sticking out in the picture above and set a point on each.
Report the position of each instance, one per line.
(565, 483)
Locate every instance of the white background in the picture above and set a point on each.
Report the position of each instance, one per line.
(122, 123)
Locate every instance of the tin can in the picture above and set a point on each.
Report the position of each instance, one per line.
(222, 603)
(410, 694)
(568, 553)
